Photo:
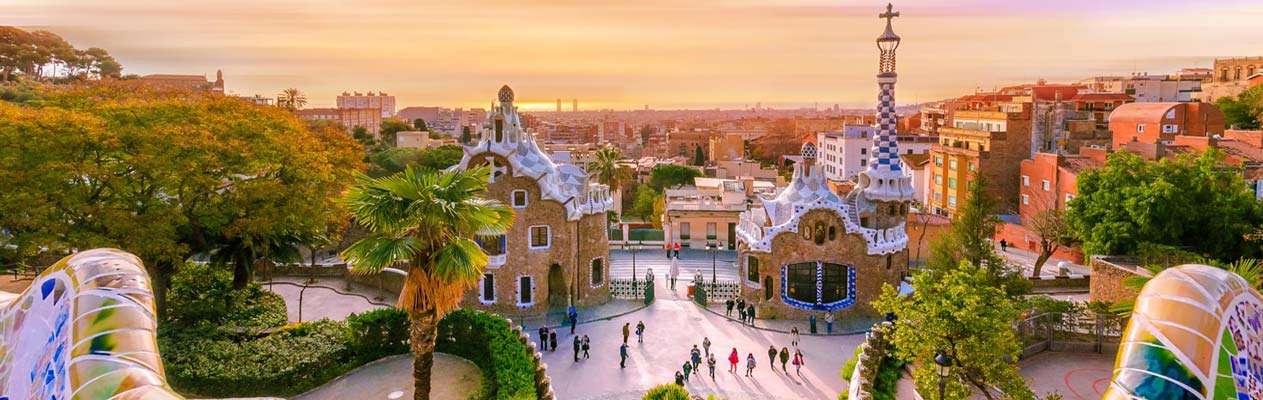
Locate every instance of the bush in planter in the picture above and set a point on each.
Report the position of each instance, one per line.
(668, 391)
(507, 365)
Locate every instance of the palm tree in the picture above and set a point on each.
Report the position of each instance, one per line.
(606, 168)
(426, 220)
(291, 99)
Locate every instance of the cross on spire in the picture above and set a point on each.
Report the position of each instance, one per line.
(889, 14)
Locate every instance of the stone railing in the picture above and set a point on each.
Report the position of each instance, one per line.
(872, 352)
(543, 384)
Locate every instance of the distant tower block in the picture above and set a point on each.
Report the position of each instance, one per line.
(558, 105)
(575, 107)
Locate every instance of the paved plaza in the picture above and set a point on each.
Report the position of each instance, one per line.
(1076, 376)
(722, 264)
(391, 379)
(673, 325)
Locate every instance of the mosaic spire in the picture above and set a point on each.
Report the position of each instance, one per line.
(883, 180)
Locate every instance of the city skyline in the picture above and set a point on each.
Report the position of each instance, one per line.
(625, 55)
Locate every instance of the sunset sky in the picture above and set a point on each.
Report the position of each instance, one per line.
(625, 54)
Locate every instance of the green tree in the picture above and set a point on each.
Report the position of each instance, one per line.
(959, 312)
(465, 136)
(426, 220)
(164, 175)
(390, 129)
(101, 64)
(646, 205)
(969, 241)
(699, 156)
(668, 176)
(361, 135)
(1245, 111)
(1195, 202)
(645, 132)
(291, 99)
(419, 124)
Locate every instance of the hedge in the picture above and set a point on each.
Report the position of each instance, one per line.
(210, 360)
(669, 391)
(508, 367)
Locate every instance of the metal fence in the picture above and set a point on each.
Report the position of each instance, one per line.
(1082, 332)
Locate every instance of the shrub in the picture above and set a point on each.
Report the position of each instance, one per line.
(202, 294)
(887, 377)
(849, 367)
(287, 362)
(378, 333)
(669, 391)
(507, 365)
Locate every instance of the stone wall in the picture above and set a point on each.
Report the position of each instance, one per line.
(872, 352)
(1107, 279)
(871, 271)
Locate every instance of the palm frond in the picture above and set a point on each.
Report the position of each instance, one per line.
(375, 252)
(460, 262)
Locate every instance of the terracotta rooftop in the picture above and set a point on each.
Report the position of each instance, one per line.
(1076, 165)
(1141, 112)
(916, 159)
(981, 97)
(1241, 151)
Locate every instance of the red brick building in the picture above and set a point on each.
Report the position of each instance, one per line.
(1162, 122)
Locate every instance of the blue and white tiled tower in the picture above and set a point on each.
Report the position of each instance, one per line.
(884, 180)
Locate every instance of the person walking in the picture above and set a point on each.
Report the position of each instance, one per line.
(1004, 245)
(640, 332)
(668, 247)
(784, 359)
(552, 340)
(750, 365)
(696, 356)
(587, 345)
(687, 367)
(771, 357)
(750, 313)
(828, 323)
(710, 364)
(626, 331)
(706, 345)
(679, 378)
(798, 362)
(674, 272)
(543, 337)
(677, 250)
(733, 359)
(576, 348)
(622, 355)
(574, 320)
(728, 308)
(741, 311)
(794, 337)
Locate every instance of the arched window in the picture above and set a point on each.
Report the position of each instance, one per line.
(598, 272)
(767, 288)
(833, 232)
(819, 233)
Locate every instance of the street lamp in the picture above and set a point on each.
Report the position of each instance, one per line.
(633, 250)
(943, 367)
(714, 250)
